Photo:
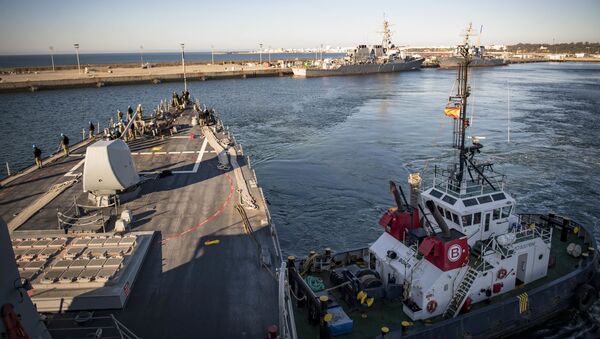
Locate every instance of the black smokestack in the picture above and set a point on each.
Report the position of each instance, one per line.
(439, 219)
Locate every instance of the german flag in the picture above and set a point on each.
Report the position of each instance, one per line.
(452, 111)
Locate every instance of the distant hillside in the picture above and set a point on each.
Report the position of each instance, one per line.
(573, 47)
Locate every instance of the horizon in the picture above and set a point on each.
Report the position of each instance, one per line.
(29, 28)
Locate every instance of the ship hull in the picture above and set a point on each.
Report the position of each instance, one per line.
(453, 62)
(358, 69)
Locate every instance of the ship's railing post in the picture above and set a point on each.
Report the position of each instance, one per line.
(7, 169)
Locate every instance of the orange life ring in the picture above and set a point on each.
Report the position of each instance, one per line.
(431, 306)
(501, 273)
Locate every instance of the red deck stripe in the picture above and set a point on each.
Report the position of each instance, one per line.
(212, 216)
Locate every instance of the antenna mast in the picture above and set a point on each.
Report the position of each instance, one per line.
(461, 124)
(387, 34)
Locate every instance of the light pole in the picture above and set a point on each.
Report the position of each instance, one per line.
(183, 64)
(142, 54)
(321, 52)
(260, 53)
(269, 54)
(77, 53)
(52, 57)
(212, 54)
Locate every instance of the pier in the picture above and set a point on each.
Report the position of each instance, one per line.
(109, 75)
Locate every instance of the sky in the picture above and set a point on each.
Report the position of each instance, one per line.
(31, 26)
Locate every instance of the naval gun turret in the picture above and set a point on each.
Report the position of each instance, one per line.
(109, 173)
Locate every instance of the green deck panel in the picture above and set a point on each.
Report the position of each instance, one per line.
(390, 314)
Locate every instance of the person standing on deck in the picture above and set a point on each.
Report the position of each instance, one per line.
(64, 142)
(37, 154)
(119, 116)
(139, 111)
(140, 126)
(130, 131)
(91, 128)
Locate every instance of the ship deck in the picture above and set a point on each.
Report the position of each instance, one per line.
(367, 322)
(204, 273)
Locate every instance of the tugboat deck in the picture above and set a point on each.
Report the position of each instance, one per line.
(204, 273)
(390, 314)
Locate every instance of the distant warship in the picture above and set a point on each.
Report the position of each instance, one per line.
(478, 58)
(384, 58)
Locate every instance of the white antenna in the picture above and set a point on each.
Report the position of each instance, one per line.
(508, 108)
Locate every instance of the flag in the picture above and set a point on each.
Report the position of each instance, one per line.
(453, 112)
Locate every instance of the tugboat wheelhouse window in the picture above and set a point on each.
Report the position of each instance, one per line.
(436, 193)
(455, 219)
(506, 211)
(449, 199)
(470, 202)
(484, 199)
(496, 214)
(498, 196)
(467, 220)
(476, 218)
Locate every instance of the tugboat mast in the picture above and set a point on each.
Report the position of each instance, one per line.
(461, 124)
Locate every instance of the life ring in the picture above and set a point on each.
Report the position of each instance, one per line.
(585, 297)
(501, 273)
(431, 306)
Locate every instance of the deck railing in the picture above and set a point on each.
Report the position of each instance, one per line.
(442, 181)
(286, 312)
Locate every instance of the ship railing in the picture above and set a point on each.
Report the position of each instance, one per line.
(493, 246)
(530, 231)
(286, 312)
(443, 181)
(86, 325)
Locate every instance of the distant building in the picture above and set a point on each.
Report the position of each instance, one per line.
(580, 55)
(543, 48)
(556, 56)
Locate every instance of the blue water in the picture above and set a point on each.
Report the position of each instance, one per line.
(324, 148)
(122, 58)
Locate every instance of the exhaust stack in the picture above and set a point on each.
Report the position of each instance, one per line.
(439, 219)
(394, 191)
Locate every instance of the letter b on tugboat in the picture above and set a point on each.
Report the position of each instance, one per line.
(454, 252)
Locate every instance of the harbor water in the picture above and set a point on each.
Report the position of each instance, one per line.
(45, 60)
(324, 149)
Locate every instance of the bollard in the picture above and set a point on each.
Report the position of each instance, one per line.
(324, 332)
(272, 332)
(405, 325)
(384, 331)
(564, 232)
(291, 266)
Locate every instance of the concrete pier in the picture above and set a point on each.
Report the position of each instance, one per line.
(100, 76)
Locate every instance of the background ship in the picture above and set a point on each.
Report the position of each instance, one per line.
(479, 59)
(384, 58)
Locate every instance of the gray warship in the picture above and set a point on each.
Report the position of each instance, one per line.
(384, 58)
(454, 259)
(479, 58)
(156, 228)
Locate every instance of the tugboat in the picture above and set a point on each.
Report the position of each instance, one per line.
(454, 260)
(384, 58)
